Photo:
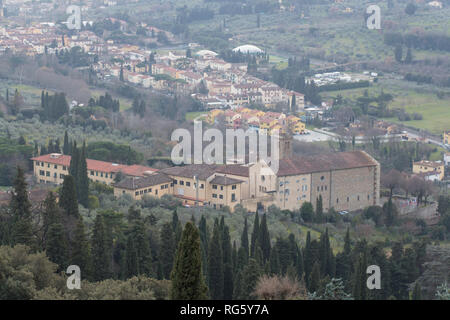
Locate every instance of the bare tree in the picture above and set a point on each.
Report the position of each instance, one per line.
(279, 288)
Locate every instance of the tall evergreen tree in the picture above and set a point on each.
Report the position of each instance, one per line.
(81, 254)
(254, 242)
(56, 245)
(167, 251)
(264, 239)
(66, 146)
(215, 265)
(20, 206)
(100, 250)
(250, 276)
(82, 181)
(227, 264)
(244, 238)
(187, 279)
(314, 281)
(68, 197)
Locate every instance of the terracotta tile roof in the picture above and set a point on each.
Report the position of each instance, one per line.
(325, 162)
(96, 165)
(134, 183)
(204, 171)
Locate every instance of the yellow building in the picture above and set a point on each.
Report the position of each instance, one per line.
(156, 185)
(425, 166)
(51, 168)
(213, 114)
(446, 137)
(298, 128)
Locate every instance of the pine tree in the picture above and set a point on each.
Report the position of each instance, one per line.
(100, 250)
(68, 197)
(20, 206)
(167, 251)
(264, 239)
(81, 255)
(50, 214)
(187, 279)
(215, 265)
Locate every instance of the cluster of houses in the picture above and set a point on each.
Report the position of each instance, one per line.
(263, 122)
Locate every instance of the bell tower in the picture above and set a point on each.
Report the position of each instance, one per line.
(285, 145)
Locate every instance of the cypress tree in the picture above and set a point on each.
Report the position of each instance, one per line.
(227, 264)
(215, 265)
(254, 242)
(81, 255)
(56, 246)
(187, 279)
(244, 238)
(142, 246)
(314, 281)
(319, 209)
(204, 237)
(100, 250)
(68, 197)
(307, 257)
(250, 276)
(131, 258)
(22, 231)
(274, 262)
(167, 251)
(50, 214)
(82, 182)
(264, 239)
(73, 169)
(66, 146)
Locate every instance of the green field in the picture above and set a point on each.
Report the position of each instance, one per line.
(412, 98)
(190, 116)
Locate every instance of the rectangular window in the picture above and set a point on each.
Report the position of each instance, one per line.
(318, 188)
(106, 175)
(233, 197)
(56, 166)
(64, 168)
(92, 173)
(221, 187)
(101, 174)
(42, 172)
(202, 186)
(162, 186)
(214, 195)
(55, 175)
(96, 173)
(181, 183)
(214, 186)
(145, 191)
(175, 181)
(47, 173)
(233, 187)
(136, 193)
(188, 184)
(156, 191)
(220, 196)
